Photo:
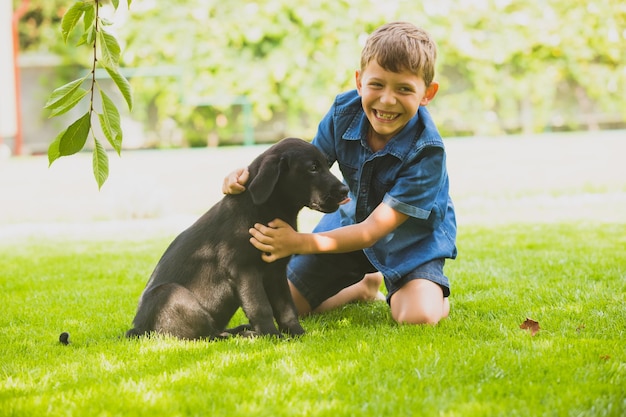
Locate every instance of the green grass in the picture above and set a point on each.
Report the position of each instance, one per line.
(571, 278)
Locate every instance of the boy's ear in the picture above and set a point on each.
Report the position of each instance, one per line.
(357, 76)
(431, 91)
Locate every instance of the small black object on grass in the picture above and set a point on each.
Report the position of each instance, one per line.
(64, 338)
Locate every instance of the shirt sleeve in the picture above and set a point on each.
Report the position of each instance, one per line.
(418, 185)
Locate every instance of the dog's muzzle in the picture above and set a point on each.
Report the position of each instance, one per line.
(330, 202)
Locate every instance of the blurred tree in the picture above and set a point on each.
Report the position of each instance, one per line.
(504, 65)
(530, 65)
(39, 28)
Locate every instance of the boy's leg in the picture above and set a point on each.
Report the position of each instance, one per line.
(420, 297)
(302, 304)
(322, 282)
(333, 280)
(366, 289)
(419, 301)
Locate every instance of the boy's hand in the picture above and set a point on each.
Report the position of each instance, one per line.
(276, 240)
(234, 182)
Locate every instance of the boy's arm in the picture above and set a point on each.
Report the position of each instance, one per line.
(278, 239)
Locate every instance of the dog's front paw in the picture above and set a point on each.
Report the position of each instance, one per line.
(293, 330)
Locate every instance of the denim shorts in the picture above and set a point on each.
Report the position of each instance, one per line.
(319, 277)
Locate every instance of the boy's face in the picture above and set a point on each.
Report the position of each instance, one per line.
(391, 99)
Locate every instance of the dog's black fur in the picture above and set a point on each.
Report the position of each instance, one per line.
(211, 269)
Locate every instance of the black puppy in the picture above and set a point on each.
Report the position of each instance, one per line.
(211, 269)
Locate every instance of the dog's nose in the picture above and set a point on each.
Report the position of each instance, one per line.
(341, 192)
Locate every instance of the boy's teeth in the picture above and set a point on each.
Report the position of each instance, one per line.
(386, 116)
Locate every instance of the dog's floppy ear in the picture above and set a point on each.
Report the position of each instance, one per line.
(266, 178)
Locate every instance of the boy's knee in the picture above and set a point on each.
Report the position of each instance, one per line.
(419, 302)
(417, 316)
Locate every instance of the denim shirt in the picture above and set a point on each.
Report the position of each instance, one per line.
(409, 175)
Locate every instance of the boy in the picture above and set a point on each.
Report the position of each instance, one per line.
(400, 223)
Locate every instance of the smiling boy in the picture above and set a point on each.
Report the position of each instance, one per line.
(400, 223)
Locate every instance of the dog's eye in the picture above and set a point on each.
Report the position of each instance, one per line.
(314, 167)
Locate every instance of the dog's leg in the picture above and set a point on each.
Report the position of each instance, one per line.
(285, 311)
(174, 310)
(255, 304)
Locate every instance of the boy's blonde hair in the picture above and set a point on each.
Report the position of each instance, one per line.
(400, 46)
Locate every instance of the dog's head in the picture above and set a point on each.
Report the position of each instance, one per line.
(295, 173)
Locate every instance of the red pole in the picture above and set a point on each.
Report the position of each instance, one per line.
(17, 15)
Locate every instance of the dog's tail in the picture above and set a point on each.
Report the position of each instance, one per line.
(64, 338)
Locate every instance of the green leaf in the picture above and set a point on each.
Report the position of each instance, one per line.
(109, 48)
(106, 129)
(91, 35)
(90, 15)
(70, 102)
(115, 3)
(122, 84)
(64, 93)
(82, 40)
(110, 122)
(74, 138)
(71, 18)
(53, 149)
(100, 164)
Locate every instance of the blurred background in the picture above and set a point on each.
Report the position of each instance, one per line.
(215, 73)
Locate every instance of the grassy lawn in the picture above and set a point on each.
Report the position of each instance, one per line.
(569, 277)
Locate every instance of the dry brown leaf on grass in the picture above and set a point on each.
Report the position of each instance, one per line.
(531, 325)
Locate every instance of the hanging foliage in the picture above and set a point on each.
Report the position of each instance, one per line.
(106, 53)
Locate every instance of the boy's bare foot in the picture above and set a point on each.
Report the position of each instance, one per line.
(371, 286)
(364, 290)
